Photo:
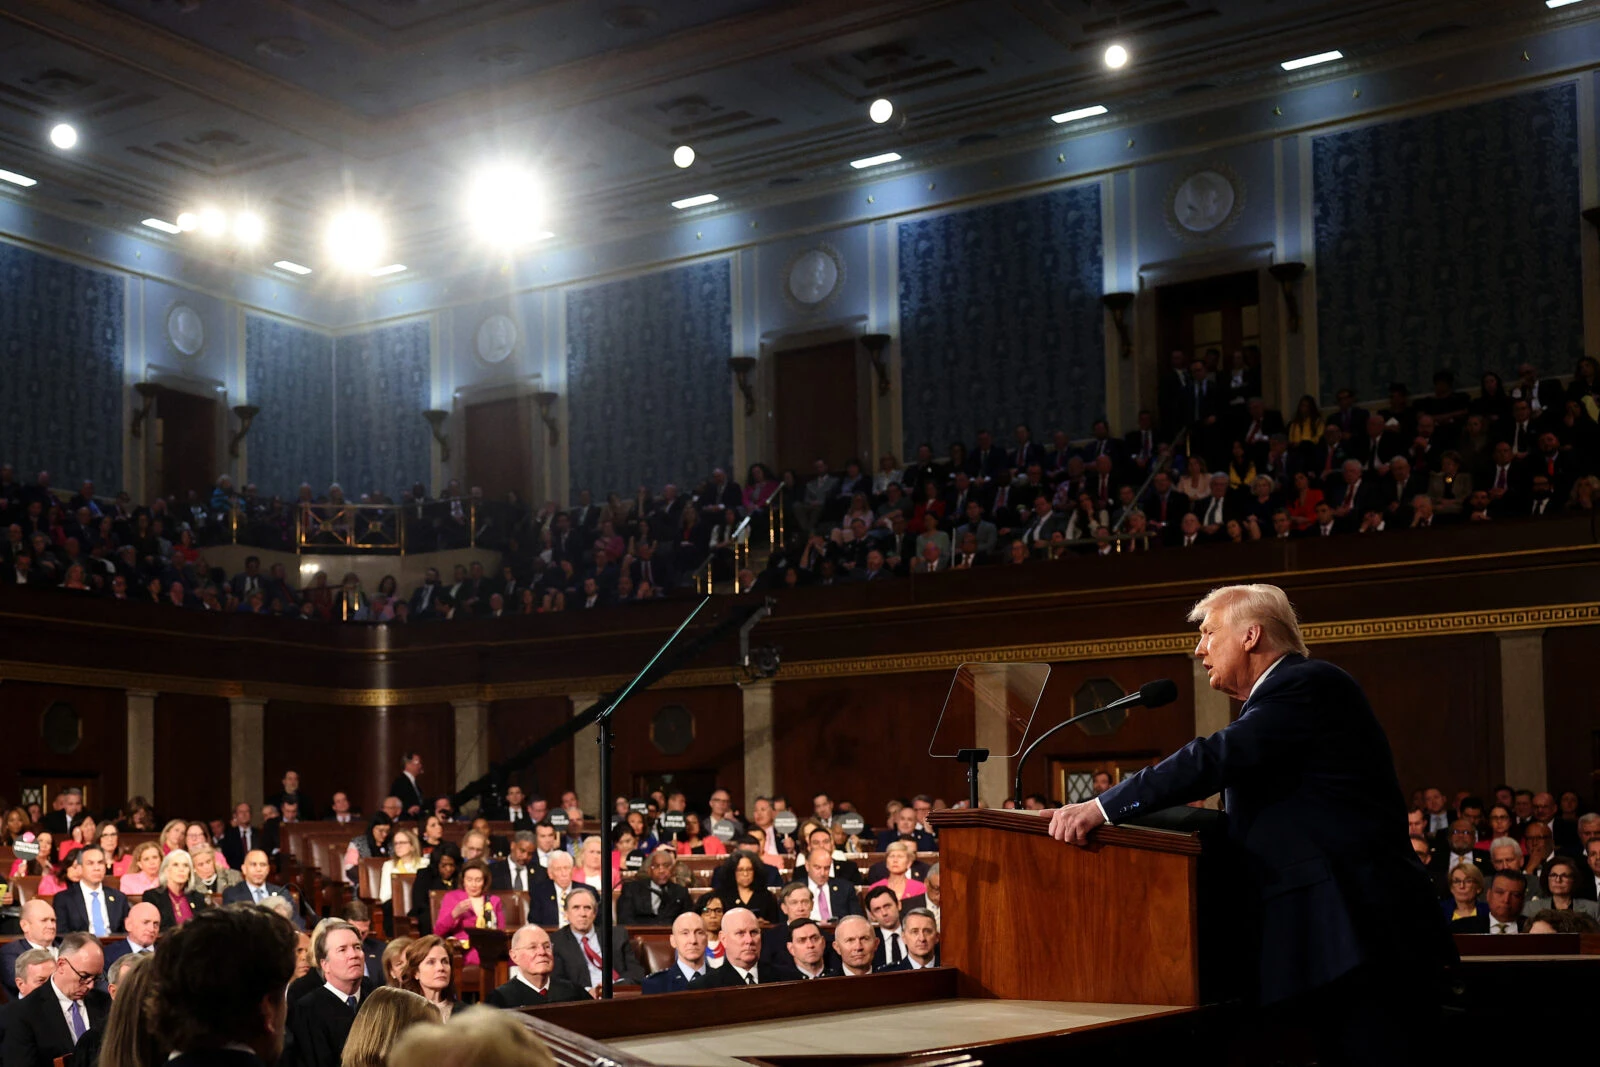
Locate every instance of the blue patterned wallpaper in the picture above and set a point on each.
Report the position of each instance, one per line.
(1001, 321)
(647, 379)
(290, 374)
(61, 349)
(1450, 240)
(383, 378)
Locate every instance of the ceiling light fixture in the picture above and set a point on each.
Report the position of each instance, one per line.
(213, 223)
(188, 221)
(1080, 113)
(683, 157)
(17, 179)
(881, 110)
(1312, 61)
(505, 206)
(393, 268)
(291, 267)
(1560, 3)
(695, 201)
(248, 228)
(355, 239)
(1116, 57)
(63, 135)
(875, 161)
(161, 224)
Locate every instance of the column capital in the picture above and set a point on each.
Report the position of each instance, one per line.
(469, 704)
(143, 694)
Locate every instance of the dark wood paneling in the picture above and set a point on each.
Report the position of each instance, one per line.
(814, 393)
(357, 750)
(862, 739)
(1438, 699)
(500, 448)
(188, 435)
(514, 724)
(1571, 712)
(718, 743)
(193, 738)
(101, 752)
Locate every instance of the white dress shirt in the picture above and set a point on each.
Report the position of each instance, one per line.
(744, 975)
(1498, 927)
(88, 906)
(519, 976)
(65, 1003)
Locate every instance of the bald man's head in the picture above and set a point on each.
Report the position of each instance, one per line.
(39, 922)
(143, 924)
(855, 941)
(689, 938)
(533, 953)
(741, 937)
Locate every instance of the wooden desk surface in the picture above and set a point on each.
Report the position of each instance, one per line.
(900, 1029)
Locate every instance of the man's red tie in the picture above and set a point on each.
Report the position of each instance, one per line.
(594, 957)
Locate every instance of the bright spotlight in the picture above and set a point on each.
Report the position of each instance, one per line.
(683, 157)
(881, 111)
(213, 223)
(63, 135)
(506, 206)
(248, 228)
(188, 221)
(1116, 57)
(355, 240)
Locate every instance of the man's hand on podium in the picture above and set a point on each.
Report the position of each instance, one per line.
(1073, 822)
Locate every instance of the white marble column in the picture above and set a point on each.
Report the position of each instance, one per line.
(246, 720)
(142, 743)
(472, 740)
(759, 773)
(1522, 708)
(586, 759)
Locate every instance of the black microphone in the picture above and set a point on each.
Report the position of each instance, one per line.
(1156, 694)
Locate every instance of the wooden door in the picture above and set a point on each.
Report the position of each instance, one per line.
(500, 448)
(1208, 318)
(186, 444)
(816, 403)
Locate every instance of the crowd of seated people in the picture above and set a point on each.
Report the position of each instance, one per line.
(778, 906)
(1214, 464)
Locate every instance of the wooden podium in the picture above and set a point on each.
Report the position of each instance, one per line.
(1025, 917)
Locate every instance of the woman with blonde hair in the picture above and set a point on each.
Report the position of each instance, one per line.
(208, 875)
(478, 1037)
(384, 1015)
(176, 895)
(405, 857)
(898, 857)
(394, 961)
(173, 836)
(429, 972)
(141, 876)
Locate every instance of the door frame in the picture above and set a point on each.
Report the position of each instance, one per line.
(179, 380)
(763, 443)
(523, 391)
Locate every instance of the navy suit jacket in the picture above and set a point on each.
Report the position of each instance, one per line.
(73, 914)
(672, 980)
(1314, 804)
(842, 899)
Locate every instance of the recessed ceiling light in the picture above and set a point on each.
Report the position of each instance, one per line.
(1080, 113)
(875, 161)
(1560, 3)
(17, 179)
(695, 201)
(213, 223)
(292, 268)
(188, 221)
(393, 268)
(356, 239)
(248, 228)
(1312, 61)
(505, 205)
(1116, 57)
(683, 157)
(881, 111)
(161, 224)
(63, 135)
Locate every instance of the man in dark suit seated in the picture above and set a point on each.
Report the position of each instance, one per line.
(808, 955)
(320, 1021)
(795, 902)
(533, 957)
(883, 908)
(290, 794)
(1508, 892)
(48, 1022)
(406, 787)
(1352, 943)
(921, 931)
(91, 906)
(33, 969)
(239, 838)
(518, 871)
(577, 946)
(856, 943)
(653, 898)
(255, 888)
(61, 821)
(741, 951)
(689, 969)
(38, 931)
(222, 979)
(832, 898)
(905, 829)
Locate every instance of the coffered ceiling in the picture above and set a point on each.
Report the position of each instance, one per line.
(293, 105)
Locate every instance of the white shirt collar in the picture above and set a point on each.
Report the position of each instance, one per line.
(519, 976)
(1264, 674)
(852, 972)
(689, 972)
(343, 997)
(743, 974)
(65, 1001)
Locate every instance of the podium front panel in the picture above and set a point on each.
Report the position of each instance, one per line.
(1025, 917)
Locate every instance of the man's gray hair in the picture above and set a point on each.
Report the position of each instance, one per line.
(926, 913)
(1590, 819)
(122, 965)
(1504, 842)
(524, 837)
(32, 958)
(1265, 606)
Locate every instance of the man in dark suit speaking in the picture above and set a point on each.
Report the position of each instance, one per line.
(1350, 936)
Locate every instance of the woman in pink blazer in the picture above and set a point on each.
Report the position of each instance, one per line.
(469, 908)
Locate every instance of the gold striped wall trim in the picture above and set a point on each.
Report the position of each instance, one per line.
(1393, 628)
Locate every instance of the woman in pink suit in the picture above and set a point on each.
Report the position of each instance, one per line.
(469, 908)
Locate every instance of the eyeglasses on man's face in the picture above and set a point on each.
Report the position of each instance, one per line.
(83, 978)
